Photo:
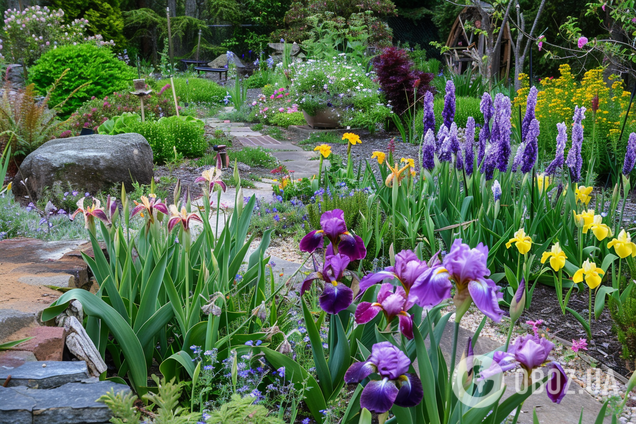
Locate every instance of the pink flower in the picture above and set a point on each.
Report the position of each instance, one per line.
(581, 344)
(540, 45)
(582, 41)
(535, 325)
(634, 20)
(271, 97)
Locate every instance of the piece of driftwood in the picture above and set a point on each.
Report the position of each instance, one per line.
(74, 310)
(80, 345)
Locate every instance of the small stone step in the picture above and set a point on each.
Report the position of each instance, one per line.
(12, 321)
(10, 359)
(72, 403)
(47, 343)
(45, 375)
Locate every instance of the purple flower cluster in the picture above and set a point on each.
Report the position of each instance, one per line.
(630, 155)
(469, 152)
(531, 148)
(428, 150)
(502, 120)
(448, 114)
(574, 159)
(531, 105)
(453, 146)
(429, 113)
(488, 110)
(561, 140)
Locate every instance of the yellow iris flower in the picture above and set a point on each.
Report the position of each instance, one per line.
(522, 242)
(324, 149)
(590, 273)
(352, 138)
(600, 230)
(543, 181)
(584, 218)
(380, 156)
(397, 174)
(623, 245)
(556, 255)
(583, 194)
(409, 162)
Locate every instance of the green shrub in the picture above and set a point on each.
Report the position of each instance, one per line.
(624, 317)
(87, 63)
(193, 90)
(287, 119)
(466, 106)
(168, 134)
(253, 157)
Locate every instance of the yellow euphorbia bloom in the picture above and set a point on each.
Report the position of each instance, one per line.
(600, 230)
(380, 156)
(397, 174)
(590, 272)
(584, 218)
(556, 255)
(324, 149)
(352, 138)
(522, 242)
(623, 245)
(543, 181)
(583, 194)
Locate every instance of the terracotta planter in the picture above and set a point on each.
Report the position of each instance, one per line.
(324, 118)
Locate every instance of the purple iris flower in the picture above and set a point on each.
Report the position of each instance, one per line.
(335, 229)
(428, 150)
(575, 160)
(561, 140)
(630, 155)
(396, 386)
(429, 113)
(531, 148)
(469, 152)
(558, 383)
(428, 284)
(336, 296)
(394, 302)
(469, 269)
(449, 104)
(531, 104)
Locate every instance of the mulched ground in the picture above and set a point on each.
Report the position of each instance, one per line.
(604, 346)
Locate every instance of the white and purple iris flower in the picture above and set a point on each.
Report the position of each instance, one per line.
(336, 296)
(333, 227)
(396, 385)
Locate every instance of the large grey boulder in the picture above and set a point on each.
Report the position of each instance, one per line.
(90, 163)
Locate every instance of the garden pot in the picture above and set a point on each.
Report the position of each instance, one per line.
(324, 118)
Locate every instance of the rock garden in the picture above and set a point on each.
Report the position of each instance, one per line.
(317, 212)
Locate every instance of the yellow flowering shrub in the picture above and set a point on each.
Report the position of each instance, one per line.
(556, 101)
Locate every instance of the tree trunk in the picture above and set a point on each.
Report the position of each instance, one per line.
(191, 8)
(172, 4)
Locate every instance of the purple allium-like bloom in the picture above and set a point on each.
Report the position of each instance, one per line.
(336, 296)
(575, 160)
(394, 302)
(561, 140)
(630, 155)
(429, 113)
(428, 150)
(531, 148)
(396, 385)
(469, 142)
(531, 105)
(449, 104)
(335, 229)
(469, 269)
(496, 190)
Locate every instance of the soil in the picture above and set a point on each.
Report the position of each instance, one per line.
(604, 346)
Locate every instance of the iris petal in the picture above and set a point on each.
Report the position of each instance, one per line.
(311, 241)
(335, 298)
(371, 279)
(406, 325)
(365, 312)
(558, 383)
(352, 246)
(432, 287)
(379, 396)
(307, 282)
(486, 295)
(358, 371)
(411, 391)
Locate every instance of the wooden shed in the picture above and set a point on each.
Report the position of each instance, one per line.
(463, 38)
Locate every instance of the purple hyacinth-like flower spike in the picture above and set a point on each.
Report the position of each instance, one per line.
(488, 110)
(428, 150)
(574, 159)
(442, 135)
(469, 149)
(496, 190)
(448, 114)
(561, 140)
(502, 116)
(630, 155)
(396, 385)
(429, 113)
(336, 296)
(532, 147)
(454, 147)
(333, 227)
(531, 105)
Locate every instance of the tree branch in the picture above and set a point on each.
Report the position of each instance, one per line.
(534, 26)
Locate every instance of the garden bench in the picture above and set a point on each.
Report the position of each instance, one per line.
(206, 69)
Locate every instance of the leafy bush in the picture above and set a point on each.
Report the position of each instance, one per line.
(397, 77)
(624, 317)
(466, 106)
(193, 90)
(286, 119)
(96, 111)
(253, 156)
(86, 63)
(166, 135)
(35, 30)
(101, 16)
